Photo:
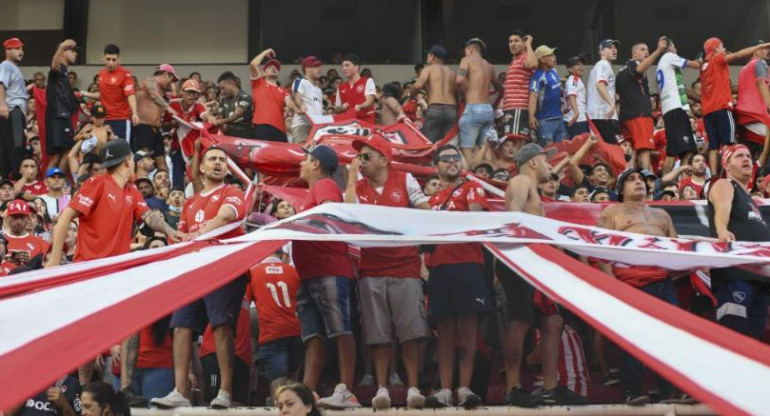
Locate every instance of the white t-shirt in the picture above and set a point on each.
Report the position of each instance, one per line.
(598, 108)
(312, 97)
(369, 89)
(574, 86)
(670, 83)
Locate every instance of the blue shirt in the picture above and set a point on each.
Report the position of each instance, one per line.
(547, 85)
(15, 90)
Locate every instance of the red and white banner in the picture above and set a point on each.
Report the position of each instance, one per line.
(97, 306)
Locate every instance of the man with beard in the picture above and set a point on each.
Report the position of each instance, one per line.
(456, 286)
(116, 93)
(13, 108)
(516, 85)
(217, 205)
(55, 200)
(632, 215)
(269, 98)
(698, 178)
(22, 246)
(62, 105)
(501, 158)
(439, 81)
(236, 110)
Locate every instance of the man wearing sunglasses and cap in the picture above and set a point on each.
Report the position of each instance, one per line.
(269, 98)
(62, 105)
(151, 104)
(13, 108)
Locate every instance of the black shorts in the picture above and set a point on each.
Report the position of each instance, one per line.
(519, 295)
(457, 290)
(438, 121)
(609, 130)
(270, 133)
(147, 137)
(679, 137)
(516, 123)
(59, 135)
(720, 128)
(219, 307)
(212, 379)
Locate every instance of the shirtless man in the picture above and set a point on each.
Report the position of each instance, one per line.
(473, 80)
(439, 81)
(522, 196)
(95, 134)
(632, 215)
(499, 155)
(150, 107)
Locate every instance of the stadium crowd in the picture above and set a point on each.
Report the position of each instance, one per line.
(99, 172)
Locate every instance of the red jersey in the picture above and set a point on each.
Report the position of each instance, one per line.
(638, 276)
(36, 188)
(114, 89)
(391, 261)
(107, 216)
(715, 83)
(242, 337)
(458, 199)
(152, 355)
(516, 85)
(317, 259)
(750, 104)
(274, 286)
(203, 207)
(354, 94)
(268, 103)
(27, 242)
(192, 114)
(572, 367)
(688, 181)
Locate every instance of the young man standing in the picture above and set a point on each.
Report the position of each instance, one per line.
(516, 95)
(236, 109)
(269, 98)
(439, 81)
(356, 92)
(601, 93)
(116, 92)
(308, 99)
(62, 105)
(13, 108)
(575, 94)
(151, 104)
(217, 205)
(545, 114)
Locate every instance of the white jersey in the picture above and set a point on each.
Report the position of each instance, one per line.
(670, 83)
(598, 108)
(312, 97)
(575, 87)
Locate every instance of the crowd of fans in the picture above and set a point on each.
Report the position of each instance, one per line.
(309, 293)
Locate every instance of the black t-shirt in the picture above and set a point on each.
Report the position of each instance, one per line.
(634, 92)
(40, 406)
(61, 99)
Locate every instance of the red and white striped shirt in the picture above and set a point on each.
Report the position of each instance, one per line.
(516, 93)
(573, 369)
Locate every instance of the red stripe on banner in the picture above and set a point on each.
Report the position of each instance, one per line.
(654, 307)
(31, 368)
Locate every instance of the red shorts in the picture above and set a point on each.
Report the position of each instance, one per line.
(639, 130)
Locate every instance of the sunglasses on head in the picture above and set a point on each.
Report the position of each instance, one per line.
(366, 156)
(450, 158)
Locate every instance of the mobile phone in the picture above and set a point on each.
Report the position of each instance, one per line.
(699, 57)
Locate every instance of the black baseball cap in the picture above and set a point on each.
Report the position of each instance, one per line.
(98, 111)
(114, 152)
(438, 51)
(143, 179)
(477, 41)
(606, 43)
(6, 181)
(325, 156)
(574, 60)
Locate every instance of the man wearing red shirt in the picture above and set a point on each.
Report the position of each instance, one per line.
(22, 246)
(698, 178)
(390, 286)
(274, 286)
(457, 290)
(29, 187)
(269, 98)
(116, 92)
(356, 91)
(516, 94)
(323, 300)
(716, 95)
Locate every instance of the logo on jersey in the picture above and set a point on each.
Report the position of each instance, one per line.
(397, 195)
(214, 198)
(739, 296)
(199, 216)
(360, 89)
(457, 193)
(85, 201)
(234, 199)
(274, 270)
(112, 197)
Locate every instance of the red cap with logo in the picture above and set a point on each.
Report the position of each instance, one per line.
(274, 63)
(191, 85)
(13, 43)
(710, 46)
(376, 142)
(310, 62)
(17, 207)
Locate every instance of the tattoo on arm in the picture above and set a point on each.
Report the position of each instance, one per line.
(156, 222)
(462, 72)
(128, 360)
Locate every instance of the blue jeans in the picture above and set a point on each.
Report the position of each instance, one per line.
(742, 306)
(633, 369)
(474, 125)
(551, 131)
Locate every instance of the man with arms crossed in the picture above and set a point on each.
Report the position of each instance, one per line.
(439, 81)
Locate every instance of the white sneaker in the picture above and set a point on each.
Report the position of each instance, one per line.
(467, 398)
(341, 399)
(394, 380)
(172, 400)
(381, 400)
(442, 398)
(222, 401)
(414, 399)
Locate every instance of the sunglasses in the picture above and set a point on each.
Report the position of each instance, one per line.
(553, 178)
(366, 156)
(450, 158)
(193, 93)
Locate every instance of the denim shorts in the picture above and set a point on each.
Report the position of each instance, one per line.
(551, 131)
(219, 307)
(474, 124)
(323, 307)
(281, 357)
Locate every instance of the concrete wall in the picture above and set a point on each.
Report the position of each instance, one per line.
(31, 14)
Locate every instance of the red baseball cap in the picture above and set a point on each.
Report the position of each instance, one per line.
(727, 153)
(310, 62)
(17, 207)
(13, 43)
(272, 62)
(191, 85)
(376, 142)
(711, 45)
(170, 69)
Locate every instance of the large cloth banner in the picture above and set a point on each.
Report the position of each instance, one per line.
(54, 325)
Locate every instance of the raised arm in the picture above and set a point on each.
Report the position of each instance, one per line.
(745, 52)
(530, 62)
(647, 62)
(421, 80)
(350, 191)
(56, 61)
(254, 64)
